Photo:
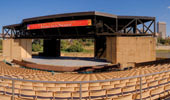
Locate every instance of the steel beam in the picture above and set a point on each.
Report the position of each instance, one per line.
(128, 24)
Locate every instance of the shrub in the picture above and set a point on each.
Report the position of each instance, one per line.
(77, 47)
(89, 43)
(63, 45)
(164, 41)
(37, 47)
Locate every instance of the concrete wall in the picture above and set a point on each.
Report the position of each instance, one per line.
(130, 49)
(17, 48)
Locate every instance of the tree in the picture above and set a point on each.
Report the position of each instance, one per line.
(164, 41)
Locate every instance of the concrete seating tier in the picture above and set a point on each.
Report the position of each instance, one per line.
(154, 86)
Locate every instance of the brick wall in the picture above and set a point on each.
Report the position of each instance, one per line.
(130, 49)
(17, 48)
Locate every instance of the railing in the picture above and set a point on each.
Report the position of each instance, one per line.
(81, 82)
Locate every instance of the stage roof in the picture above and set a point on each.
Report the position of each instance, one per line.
(90, 13)
(100, 24)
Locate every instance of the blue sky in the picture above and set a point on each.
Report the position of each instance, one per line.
(13, 11)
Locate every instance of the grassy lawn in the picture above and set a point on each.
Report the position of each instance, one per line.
(87, 52)
(162, 51)
(87, 49)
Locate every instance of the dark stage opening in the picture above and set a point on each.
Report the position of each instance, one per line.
(64, 47)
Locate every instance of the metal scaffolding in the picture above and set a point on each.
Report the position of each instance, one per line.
(103, 24)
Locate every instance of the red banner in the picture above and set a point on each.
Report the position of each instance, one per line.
(71, 23)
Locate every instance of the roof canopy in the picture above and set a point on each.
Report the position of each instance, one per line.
(101, 24)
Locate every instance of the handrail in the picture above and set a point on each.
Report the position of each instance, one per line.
(93, 81)
(81, 82)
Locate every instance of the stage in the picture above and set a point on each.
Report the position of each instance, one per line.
(67, 61)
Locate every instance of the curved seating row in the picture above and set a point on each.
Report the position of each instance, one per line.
(154, 86)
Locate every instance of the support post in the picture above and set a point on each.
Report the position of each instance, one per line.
(51, 50)
(143, 30)
(95, 22)
(135, 27)
(3, 33)
(116, 24)
(13, 90)
(100, 48)
(136, 23)
(154, 28)
(140, 88)
(124, 31)
(80, 91)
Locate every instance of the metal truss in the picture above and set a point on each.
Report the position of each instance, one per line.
(105, 26)
(131, 28)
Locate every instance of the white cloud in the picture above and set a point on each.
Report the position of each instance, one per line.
(168, 7)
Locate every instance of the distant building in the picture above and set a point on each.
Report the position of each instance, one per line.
(161, 29)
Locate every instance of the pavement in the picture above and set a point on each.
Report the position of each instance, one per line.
(67, 61)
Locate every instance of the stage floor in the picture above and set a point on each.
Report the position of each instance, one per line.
(67, 61)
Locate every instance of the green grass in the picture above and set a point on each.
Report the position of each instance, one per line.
(88, 51)
(162, 51)
(84, 51)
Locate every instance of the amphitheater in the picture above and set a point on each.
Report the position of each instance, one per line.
(28, 84)
(134, 72)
